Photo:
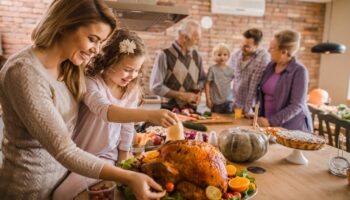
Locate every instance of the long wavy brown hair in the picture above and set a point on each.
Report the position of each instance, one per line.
(111, 55)
(63, 16)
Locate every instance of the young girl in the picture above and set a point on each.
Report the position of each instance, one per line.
(113, 81)
(218, 86)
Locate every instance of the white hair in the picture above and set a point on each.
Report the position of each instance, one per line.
(188, 28)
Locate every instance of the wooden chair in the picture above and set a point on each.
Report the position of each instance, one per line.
(334, 128)
(315, 112)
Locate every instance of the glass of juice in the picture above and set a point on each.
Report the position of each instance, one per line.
(238, 112)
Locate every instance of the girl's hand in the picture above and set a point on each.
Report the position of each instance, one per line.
(163, 117)
(264, 122)
(142, 184)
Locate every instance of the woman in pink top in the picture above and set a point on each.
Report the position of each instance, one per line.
(113, 83)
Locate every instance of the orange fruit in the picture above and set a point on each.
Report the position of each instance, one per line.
(148, 160)
(239, 184)
(213, 193)
(151, 156)
(231, 170)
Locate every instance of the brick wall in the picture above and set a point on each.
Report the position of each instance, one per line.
(18, 17)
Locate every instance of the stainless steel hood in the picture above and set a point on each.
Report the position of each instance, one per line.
(147, 17)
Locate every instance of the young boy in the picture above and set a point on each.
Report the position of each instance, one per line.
(218, 86)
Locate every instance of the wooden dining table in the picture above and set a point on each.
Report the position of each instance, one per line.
(287, 181)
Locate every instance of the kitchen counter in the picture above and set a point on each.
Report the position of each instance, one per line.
(287, 181)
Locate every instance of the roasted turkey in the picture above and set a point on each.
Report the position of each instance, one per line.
(191, 166)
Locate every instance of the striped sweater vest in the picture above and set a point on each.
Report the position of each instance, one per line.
(182, 75)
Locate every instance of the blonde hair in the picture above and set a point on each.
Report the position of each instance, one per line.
(64, 16)
(220, 47)
(288, 40)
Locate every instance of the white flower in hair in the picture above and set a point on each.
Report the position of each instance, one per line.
(127, 46)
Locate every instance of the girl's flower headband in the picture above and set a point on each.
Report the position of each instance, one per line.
(127, 46)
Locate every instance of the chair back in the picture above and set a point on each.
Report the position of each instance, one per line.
(315, 112)
(334, 126)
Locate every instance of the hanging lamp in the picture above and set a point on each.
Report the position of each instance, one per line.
(329, 47)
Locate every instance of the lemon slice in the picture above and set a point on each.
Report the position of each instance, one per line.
(213, 193)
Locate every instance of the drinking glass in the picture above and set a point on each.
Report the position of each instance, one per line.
(137, 150)
(238, 112)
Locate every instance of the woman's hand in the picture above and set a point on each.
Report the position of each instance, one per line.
(264, 122)
(162, 117)
(145, 188)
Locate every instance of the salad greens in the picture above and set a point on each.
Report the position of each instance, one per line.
(234, 198)
(244, 173)
(249, 191)
(127, 164)
(129, 195)
(174, 196)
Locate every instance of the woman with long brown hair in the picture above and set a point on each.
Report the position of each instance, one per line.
(40, 87)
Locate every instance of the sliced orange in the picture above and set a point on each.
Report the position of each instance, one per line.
(151, 156)
(239, 184)
(148, 160)
(213, 193)
(231, 170)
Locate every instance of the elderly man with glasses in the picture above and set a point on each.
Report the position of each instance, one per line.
(177, 75)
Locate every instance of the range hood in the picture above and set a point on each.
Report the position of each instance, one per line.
(147, 17)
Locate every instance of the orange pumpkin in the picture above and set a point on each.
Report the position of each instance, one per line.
(318, 97)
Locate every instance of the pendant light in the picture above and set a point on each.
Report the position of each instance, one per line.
(329, 47)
